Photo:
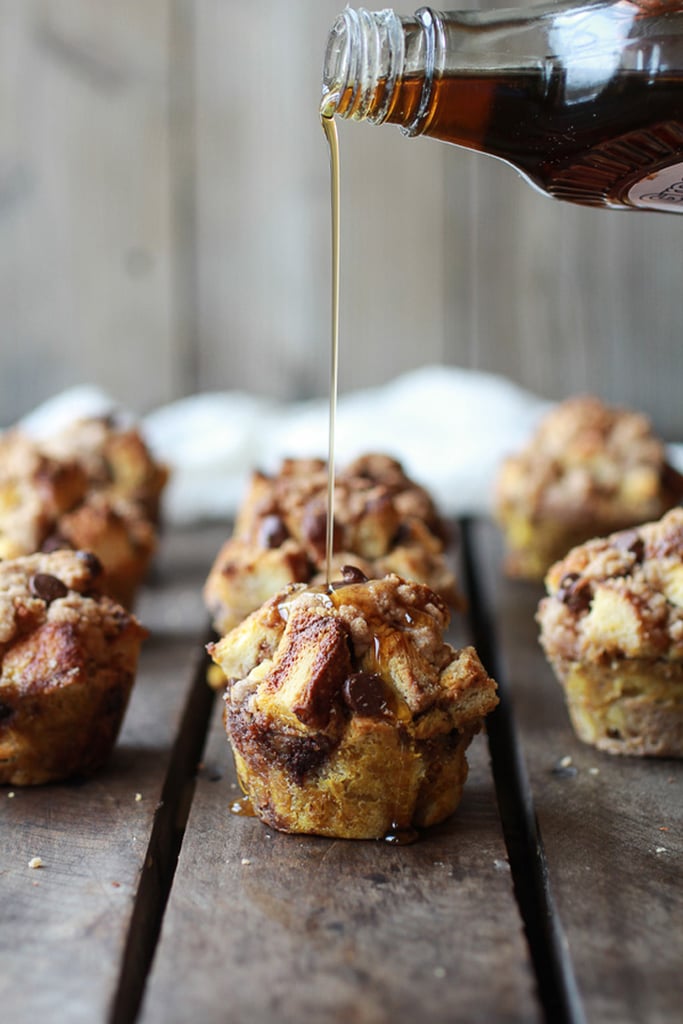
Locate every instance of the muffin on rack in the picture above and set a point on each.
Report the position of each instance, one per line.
(348, 714)
(68, 657)
(612, 629)
(56, 495)
(383, 522)
(590, 469)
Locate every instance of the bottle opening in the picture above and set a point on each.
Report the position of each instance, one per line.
(363, 59)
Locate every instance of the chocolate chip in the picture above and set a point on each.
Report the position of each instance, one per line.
(273, 532)
(364, 693)
(575, 592)
(351, 574)
(299, 755)
(46, 587)
(6, 711)
(92, 562)
(566, 584)
(631, 542)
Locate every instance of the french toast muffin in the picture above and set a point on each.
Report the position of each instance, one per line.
(612, 629)
(116, 460)
(348, 714)
(50, 499)
(590, 469)
(68, 657)
(383, 522)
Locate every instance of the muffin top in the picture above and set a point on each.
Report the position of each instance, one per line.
(115, 459)
(91, 465)
(383, 523)
(592, 460)
(61, 590)
(312, 657)
(373, 496)
(618, 597)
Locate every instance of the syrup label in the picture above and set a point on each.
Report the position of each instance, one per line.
(662, 190)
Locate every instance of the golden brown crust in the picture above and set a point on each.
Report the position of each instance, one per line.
(68, 658)
(122, 540)
(347, 712)
(35, 490)
(116, 460)
(612, 628)
(590, 469)
(629, 706)
(384, 522)
(94, 488)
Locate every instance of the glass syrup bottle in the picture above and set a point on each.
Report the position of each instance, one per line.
(584, 99)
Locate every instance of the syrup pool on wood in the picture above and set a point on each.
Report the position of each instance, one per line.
(330, 129)
(243, 808)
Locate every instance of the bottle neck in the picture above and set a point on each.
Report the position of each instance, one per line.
(370, 56)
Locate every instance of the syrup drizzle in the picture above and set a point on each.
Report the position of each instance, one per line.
(330, 128)
(397, 835)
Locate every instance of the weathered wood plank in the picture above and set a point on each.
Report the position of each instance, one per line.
(64, 928)
(265, 926)
(560, 298)
(611, 829)
(85, 212)
(263, 216)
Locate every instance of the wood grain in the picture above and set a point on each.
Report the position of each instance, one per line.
(164, 205)
(611, 830)
(85, 211)
(298, 928)
(560, 298)
(263, 209)
(262, 926)
(64, 927)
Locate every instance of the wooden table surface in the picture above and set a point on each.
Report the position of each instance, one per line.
(553, 894)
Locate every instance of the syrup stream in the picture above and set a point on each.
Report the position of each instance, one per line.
(330, 129)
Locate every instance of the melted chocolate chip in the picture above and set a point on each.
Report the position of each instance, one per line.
(6, 711)
(575, 592)
(566, 584)
(364, 693)
(46, 587)
(92, 561)
(273, 532)
(631, 542)
(351, 574)
(299, 755)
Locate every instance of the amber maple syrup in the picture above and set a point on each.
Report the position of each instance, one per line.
(243, 808)
(585, 99)
(590, 153)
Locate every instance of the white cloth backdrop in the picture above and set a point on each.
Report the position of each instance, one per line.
(450, 427)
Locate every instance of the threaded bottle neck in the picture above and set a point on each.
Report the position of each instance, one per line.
(368, 54)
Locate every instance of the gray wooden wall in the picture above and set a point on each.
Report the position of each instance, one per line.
(164, 227)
